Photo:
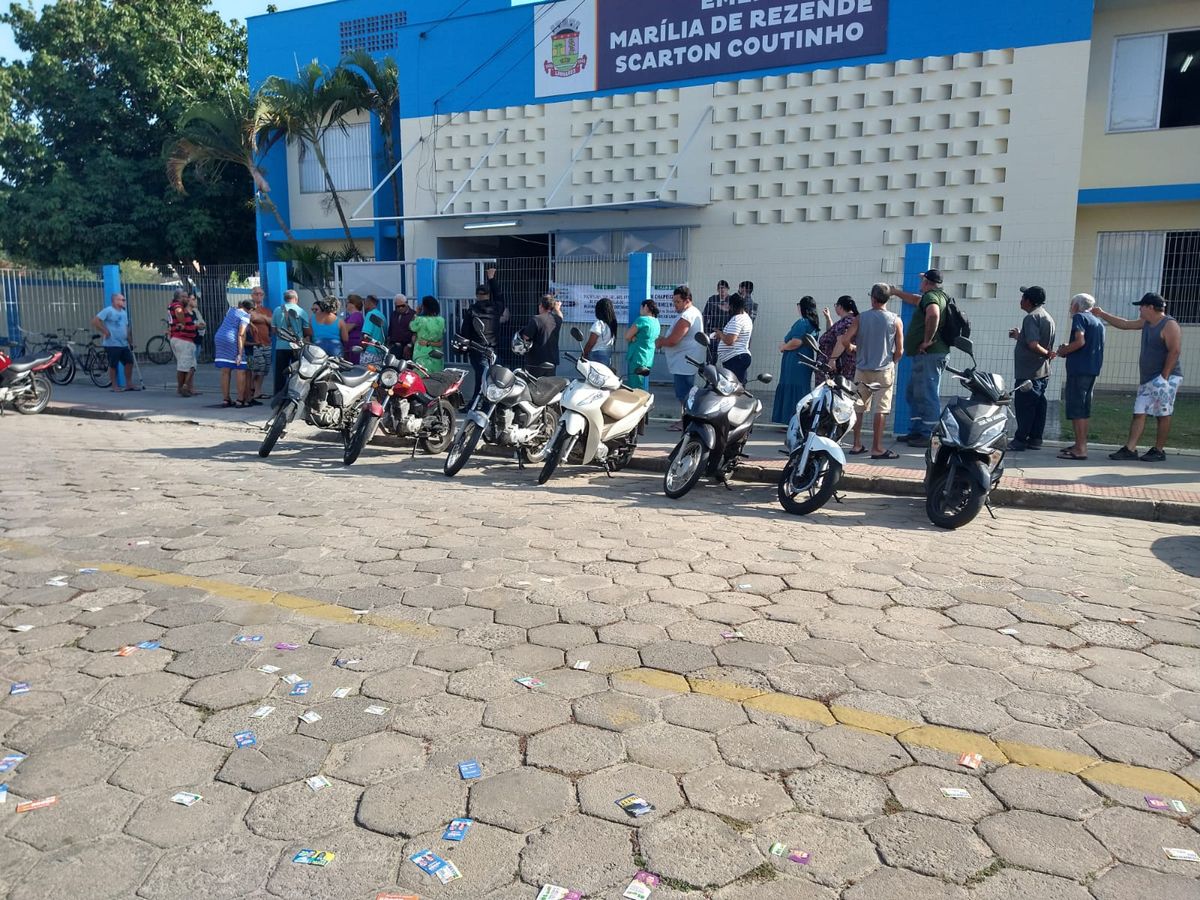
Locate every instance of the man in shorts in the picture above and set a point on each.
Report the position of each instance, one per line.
(678, 343)
(258, 345)
(880, 342)
(1084, 356)
(113, 323)
(1161, 373)
(181, 332)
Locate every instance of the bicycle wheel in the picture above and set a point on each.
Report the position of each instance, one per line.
(63, 371)
(97, 369)
(158, 350)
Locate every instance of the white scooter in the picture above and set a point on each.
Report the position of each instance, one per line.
(603, 411)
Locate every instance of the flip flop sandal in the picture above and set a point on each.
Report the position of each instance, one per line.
(1071, 454)
(859, 452)
(886, 454)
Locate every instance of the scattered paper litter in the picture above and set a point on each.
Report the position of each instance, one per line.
(1008, 631)
(8, 763)
(183, 798)
(345, 663)
(19, 687)
(88, 571)
(314, 857)
(245, 739)
(642, 885)
(262, 712)
(341, 693)
(802, 857)
(1172, 852)
(292, 679)
(457, 829)
(778, 849)
(31, 805)
(635, 806)
(317, 783)
(732, 635)
(554, 892)
(283, 645)
(957, 793)
(470, 769)
(530, 682)
(57, 581)
(22, 628)
(583, 665)
(300, 689)
(310, 717)
(3, 793)
(970, 760)
(375, 710)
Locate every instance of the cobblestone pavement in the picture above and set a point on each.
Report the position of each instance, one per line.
(873, 651)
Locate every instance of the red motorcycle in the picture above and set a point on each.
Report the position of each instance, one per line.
(408, 402)
(23, 385)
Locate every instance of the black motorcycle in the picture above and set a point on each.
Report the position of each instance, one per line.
(327, 389)
(965, 459)
(717, 420)
(512, 409)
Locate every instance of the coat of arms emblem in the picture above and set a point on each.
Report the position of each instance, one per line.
(565, 59)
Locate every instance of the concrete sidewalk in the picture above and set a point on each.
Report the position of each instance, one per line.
(1168, 491)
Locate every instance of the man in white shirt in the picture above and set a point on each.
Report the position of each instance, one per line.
(678, 343)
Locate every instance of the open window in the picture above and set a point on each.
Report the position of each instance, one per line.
(1155, 82)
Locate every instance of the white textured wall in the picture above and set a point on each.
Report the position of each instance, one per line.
(814, 181)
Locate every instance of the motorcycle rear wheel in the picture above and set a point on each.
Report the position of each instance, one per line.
(436, 441)
(461, 448)
(37, 399)
(960, 508)
(815, 484)
(685, 467)
(274, 432)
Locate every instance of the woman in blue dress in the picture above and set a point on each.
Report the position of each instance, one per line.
(229, 345)
(795, 378)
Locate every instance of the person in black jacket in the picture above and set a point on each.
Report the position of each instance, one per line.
(540, 335)
(482, 322)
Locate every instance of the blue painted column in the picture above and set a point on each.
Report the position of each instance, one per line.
(917, 259)
(112, 285)
(277, 282)
(641, 282)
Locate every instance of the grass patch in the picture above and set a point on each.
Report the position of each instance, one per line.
(678, 884)
(765, 872)
(891, 806)
(736, 824)
(1111, 412)
(984, 874)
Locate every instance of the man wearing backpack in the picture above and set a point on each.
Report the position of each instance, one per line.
(925, 346)
(1031, 362)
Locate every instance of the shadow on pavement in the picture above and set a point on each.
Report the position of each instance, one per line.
(1181, 552)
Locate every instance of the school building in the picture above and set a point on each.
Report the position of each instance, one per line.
(812, 147)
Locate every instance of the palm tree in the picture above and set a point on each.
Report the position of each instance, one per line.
(378, 82)
(235, 129)
(307, 109)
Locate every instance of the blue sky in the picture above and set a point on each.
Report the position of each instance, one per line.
(230, 9)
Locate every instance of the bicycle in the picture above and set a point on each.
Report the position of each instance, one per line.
(35, 343)
(95, 360)
(158, 348)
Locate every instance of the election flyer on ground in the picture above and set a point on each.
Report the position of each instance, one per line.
(597, 45)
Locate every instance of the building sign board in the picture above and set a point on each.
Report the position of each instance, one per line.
(611, 44)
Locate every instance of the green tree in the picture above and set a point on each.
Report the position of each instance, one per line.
(234, 130)
(82, 119)
(378, 84)
(307, 109)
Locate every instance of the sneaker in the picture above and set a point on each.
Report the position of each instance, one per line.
(917, 440)
(1123, 454)
(1153, 455)
(1016, 446)
(1037, 446)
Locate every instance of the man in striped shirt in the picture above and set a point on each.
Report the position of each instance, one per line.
(182, 333)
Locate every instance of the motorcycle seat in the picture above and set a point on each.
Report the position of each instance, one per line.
(355, 376)
(543, 390)
(623, 402)
(438, 383)
(26, 365)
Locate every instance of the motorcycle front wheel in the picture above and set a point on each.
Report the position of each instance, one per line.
(37, 398)
(274, 432)
(437, 439)
(556, 454)
(803, 492)
(686, 465)
(461, 448)
(360, 436)
(960, 506)
(63, 371)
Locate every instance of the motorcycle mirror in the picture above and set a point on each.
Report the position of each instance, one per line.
(641, 370)
(702, 339)
(357, 348)
(576, 333)
(811, 341)
(964, 344)
(766, 378)
(437, 354)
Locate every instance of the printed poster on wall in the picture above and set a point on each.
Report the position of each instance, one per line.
(607, 44)
(579, 302)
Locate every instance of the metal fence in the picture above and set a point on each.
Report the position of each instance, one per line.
(38, 302)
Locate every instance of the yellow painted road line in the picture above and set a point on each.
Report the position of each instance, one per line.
(930, 737)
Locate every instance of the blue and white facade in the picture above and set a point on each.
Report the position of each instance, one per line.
(804, 146)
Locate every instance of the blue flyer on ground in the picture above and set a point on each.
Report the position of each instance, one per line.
(456, 830)
(428, 861)
(470, 769)
(245, 739)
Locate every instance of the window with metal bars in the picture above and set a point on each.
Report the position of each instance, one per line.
(348, 155)
(1130, 263)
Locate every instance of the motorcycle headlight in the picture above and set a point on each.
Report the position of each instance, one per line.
(389, 378)
(495, 393)
(308, 369)
(727, 385)
(935, 444)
